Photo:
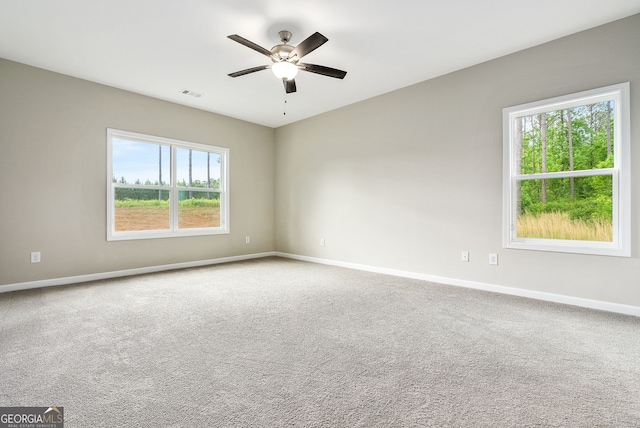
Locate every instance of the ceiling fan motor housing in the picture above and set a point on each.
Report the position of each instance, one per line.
(281, 52)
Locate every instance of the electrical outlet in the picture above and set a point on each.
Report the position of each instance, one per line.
(35, 257)
(322, 242)
(493, 259)
(247, 240)
(465, 256)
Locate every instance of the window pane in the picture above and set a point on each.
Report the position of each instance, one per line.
(198, 209)
(579, 138)
(162, 187)
(141, 209)
(197, 168)
(140, 163)
(577, 208)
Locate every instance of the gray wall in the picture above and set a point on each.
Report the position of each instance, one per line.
(409, 179)
(53, 171)
(403, 181)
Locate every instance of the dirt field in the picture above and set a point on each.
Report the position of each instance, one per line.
(157, 218)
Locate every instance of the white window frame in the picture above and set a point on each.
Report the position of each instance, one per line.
(621, 242)
(173, 188)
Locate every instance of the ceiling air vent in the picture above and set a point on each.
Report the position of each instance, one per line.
(192, 93)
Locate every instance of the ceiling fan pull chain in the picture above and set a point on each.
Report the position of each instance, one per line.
(284, 107)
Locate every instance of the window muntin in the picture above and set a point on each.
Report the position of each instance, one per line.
(566, 174)
(159, 187)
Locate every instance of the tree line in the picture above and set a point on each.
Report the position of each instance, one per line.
(129, 193)
(579, 138)
(122, 193)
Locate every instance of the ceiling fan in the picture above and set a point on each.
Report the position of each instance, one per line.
(285, 59)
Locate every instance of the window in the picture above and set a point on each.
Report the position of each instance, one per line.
(159, 187)
(566, 173)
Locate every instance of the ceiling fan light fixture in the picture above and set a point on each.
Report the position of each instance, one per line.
(284, 70)
(285, 59)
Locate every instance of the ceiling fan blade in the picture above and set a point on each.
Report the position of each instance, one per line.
(250, 44)
(310, 44)
(289, 86)
(321, 69)
(248, 71)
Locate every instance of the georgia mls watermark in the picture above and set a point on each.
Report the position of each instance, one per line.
(31, 417)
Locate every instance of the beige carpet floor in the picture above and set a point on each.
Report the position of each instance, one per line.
(277, 343)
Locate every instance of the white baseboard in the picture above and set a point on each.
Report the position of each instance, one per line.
(539, 295)
(128, 272)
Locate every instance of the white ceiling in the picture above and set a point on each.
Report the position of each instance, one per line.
(160, 47)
